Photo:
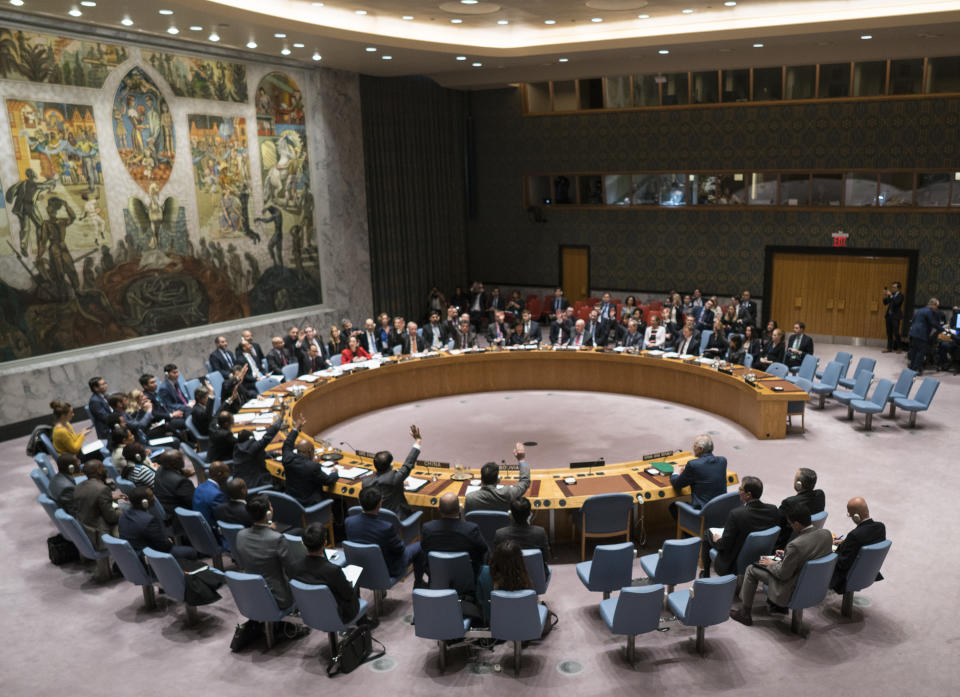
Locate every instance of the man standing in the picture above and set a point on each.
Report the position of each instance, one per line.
(559, 304)
(752, 516)
(98, 407)
(747, 310)
(390, 481)
(706, 475)
(370, 528)
(305, 478)
(493, 497)
(867, 532)
(893, 315)
(925, 322)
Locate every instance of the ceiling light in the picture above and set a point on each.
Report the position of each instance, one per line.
(317, 4)
(549, 21)
(687, 12)
(74, 12)
(461, 58)
(476, 65)
(456, 21)
(730, 3)
(643, 16)
(596, 19)
(360, 12)
(88, 3)
(214, 36)
(866, 37)
(758, 45)
(298, 45)
(284, 51)
(370, 49)
(126, 21)
(468, 2)
(279, 36)
(407, 17)
(663, 51)
(164, 12)
(562, 60)
(173, 30)
(386, 58)
(251, 44)
(16, 3)
(196, 27)
(503, 21)
(317, 56)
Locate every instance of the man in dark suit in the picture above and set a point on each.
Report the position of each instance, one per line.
(632, 339)
(139, 527)
(811, 498)
(531, 328)
(579, 337)
(706, 475)
(97, 512)
(250, 457)
(410, 342)
(173, 390)
(592, 327)
(752, 516)
(201, 413)
(291, 339)
(311, 361)
(497, 332)
(389, 481)
(172, 484)
(368, 337)
(98, 407)
(221, 358)
(522, 532)
(747, 310)
(611, 331)
(279, 357)
(559, 332)
(687, 344)
(234, 509)
(434, 333)
(559, 304)
(450, 534)
(305, 478)
(893, 315)
(175, 421)
(925, 322)
(706, 318)
(63, 484)
(262, 550)
(867, 532)
(495, 304)
(464, 337)
(369, 528)
(606, 304)
(209, 494)
(798, 345)
(222, 440)
(479, 304)
(493, 497)
(397, 331)
(247, 336)
(315, 569)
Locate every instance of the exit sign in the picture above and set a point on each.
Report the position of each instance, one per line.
(840, 239)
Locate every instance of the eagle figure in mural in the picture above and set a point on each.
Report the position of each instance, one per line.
(154, 217)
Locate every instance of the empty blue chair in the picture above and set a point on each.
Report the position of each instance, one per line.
(825, 386)
(192, 386)
(290, 371)
(705, 339)
(40, 479)
(705, 604)
(859, 391)
(694, 521)
(439, 617)
(267, 383)
(864, 365)
(635, 611)
(200, 535)
(50, 508)
(875, 404)
(228, 531)
(806, 371)
(488, 522)
(288, 511)
(74, 532)
(811, 588)
(610, 569)
(843, 358)
(539, 573)
(216, 382)
(318, 609)
(131, 567)
(375, 576)
(336, 360)
(171, 578)
(778, 370)
(255, 601)
(452, 570)
(676, 562)
(409, 527)
(921, 400)
(863, 572)
(516, 616)
(754, 546)
(604, 515)
(901, 388)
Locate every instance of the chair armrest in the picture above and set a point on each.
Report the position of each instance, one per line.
(688, 517)
(410, 527)
(318, 512)
(260, 489)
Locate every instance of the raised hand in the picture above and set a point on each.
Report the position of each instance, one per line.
(415, 432)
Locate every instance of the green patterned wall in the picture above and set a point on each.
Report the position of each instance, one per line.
(719, 250)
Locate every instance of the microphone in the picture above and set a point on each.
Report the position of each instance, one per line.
(343, 442)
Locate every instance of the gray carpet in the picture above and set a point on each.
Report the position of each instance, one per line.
(66, 634)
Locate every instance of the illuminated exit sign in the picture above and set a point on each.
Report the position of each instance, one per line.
(840, 239)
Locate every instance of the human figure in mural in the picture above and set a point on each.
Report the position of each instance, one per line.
(52, 241)
(166, 129)
(153, 126)
(24, 196)
(272, 214)
(277, 184)
(244, 196)
(91, 211)
(135, 116)
(89, 156)
(254, 266)
(89, 274)
(264, 103)
(118, 129)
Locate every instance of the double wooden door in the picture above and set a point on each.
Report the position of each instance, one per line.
(837, 295)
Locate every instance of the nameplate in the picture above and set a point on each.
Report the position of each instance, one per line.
(586, 463)
(654, 456)
(509, 468)
(365, 453)
(434, 464)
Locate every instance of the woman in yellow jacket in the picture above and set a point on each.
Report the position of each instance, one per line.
(65, 439)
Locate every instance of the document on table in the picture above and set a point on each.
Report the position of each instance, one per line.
(413, 483)
(166, 440)
(472, 488)
(351, 472)
(307, 378)
(244, 418)
(259, 403)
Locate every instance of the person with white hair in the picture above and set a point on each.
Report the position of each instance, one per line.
(706, 475)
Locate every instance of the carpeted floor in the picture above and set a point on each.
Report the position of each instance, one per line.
(65, 634)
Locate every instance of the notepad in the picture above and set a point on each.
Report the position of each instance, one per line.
(351, 472)
(307, 378)
(352, 572)
(259, 403)
(166, 440)
(244, 418)
(96, 445)
(471, 488)
(414, 484)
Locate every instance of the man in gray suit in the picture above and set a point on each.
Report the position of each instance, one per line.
(781, 574)
(96, 510)
(390, 481)
(492, 497)
(263, 550)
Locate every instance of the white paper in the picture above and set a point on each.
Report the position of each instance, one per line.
(671, 354)
(472, 488)
(413, 483)
(330, 469)
(258, 404)
(94, 446)
(352, 572)
(351, 472)
(244, 418)
(307, 378)
(717, 531)
(166, 440)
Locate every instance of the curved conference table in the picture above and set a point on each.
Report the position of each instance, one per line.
(327, 401)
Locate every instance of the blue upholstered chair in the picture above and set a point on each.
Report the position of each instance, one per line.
(200, 465)
(50, 508)
(828, 383)
(192, 386)
(318, 609)
(228, 531)
(806, 371)
(901, 388)
(676, 562)
(812, 586)
(409, 527)
(754, 546)
(288, 511)
(267, 383)
(451, 570)
(46, 464)
(863, 572)
(375, 576)
(128, 561)
(859, 391)
(488, 522)
(536, 570)
(921, 400)
(604, 515)
(171, 578)
(635, 611)
(74, 532)
(290, 371)
(216, 382)
(610, 569)
(875, 404)
(843, 358)
(41, 481)
(706, 603)
(200, 535)
(748, 360)
(516, 616)
(694, 521)
(439, 617)
(864, 365)
(255, 601)
(705, 339)
(818, 520)
(778, 370)
(48, 445)
(201, 439)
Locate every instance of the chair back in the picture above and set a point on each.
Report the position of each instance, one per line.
(904, 384)
(516, 615)
(198, 531)
(863, 572)
(533, 560)
(818, 520)
(193, 429)
(290, 371)
(710, 600)
(199, 465)
(882, 391)
(168, 572)
(318, 607)
(928, 388)
(612, 566)
(128, 560)
(606, 513)
(748, 360)
(843, 358)
(679, 561)
(229, 532)
(40, 479)
(74, 532)
(286, 509)
(49, 507)
(705, 339)
(831, 375)
(862, 384)
(813, 582)
(253, 597)
(488, 522)
(375, 575)
(808, 367)
(337, 360)
(112, 471)
(716, 510)
(778, 370)
(438, 614)
(46, 464)
(264, 384)
(191, 387)
(216, 382)
(638, 609)
(755, 546)
(451, 570)
(48, 444)
(864, 365)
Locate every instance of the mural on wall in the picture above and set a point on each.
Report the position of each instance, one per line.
(287, 217)
(143, 130)
(59, 60)
(200, 78)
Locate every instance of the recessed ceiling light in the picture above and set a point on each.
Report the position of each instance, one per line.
(251, 44)
(280, 36)
(88, 3)
(407, 17)
(663, 51)
(196, 27)
(476, 65)
(360, 12)
(387, 58)
(74, 12)
(596, 19)
(317, 4)
(730, 3)
(456, 21)
(866, 37)
(16, 3)
(469, 2)
(214, 36)
(643, 16)
(173, 30)
(461, 58)
(562, 60)
(549, 21)
(126, 21)
(758, 45)
(316, 56)
(298, 45)
(284, 51)
(503, 21)
(164, 12)
(687, 11)
(370, 49)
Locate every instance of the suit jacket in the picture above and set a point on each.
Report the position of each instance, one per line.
(250, 458)
(806, 346)
(492, 497)
(814, 501)
(172, 489)
(310, 365)
(390, 484)
(233, 511)
(95, 509)
(369, 346)
(810, 543)
(373, 530)
(776, 354)
(221, 444)
(894, 305)
(867, 532)
(527, 536)
(406, 343)
(257, 352)
(751, 517)
(693, 348)
(465, 340)
(62, 487)
(99, 411)
(262, 550)
(533, 333)
(319, 571)
(925, 322)
(143, 529)
(160, 411)
(222, 362)
(633, 340)
(454, 535)
(559, 333)
(304, 477)
(613, 331)
(277, 360)
(206, 497)
(750, 308)
(428, 333)
(492, 332)
(554, 305)
(201, 415)
(168, 395)
(585, 339)
(705, 320)
(706, 476)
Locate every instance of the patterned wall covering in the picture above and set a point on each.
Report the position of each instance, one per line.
(130, 208)
(720, 250)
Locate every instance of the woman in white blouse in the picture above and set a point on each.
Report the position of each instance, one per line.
(655, 335)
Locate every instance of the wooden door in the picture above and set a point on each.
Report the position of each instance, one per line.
(575, 272)
(859, 293)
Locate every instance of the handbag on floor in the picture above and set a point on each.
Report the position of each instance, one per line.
(61, 550)
(356, 648)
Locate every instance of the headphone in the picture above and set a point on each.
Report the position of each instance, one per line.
(269, 516)
(855, 518)
(144, 503)
(798, 485)
(71, 469)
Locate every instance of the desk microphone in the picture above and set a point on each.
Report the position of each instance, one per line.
(343, 442)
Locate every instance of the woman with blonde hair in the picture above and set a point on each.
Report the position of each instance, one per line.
(65, 439)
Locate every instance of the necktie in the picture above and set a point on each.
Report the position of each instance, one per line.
(579, 339)
(796, 342)
(413, 344)
(499, 335)
(176, 386)
(282, 356)
(226, 356)
(686, 344)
